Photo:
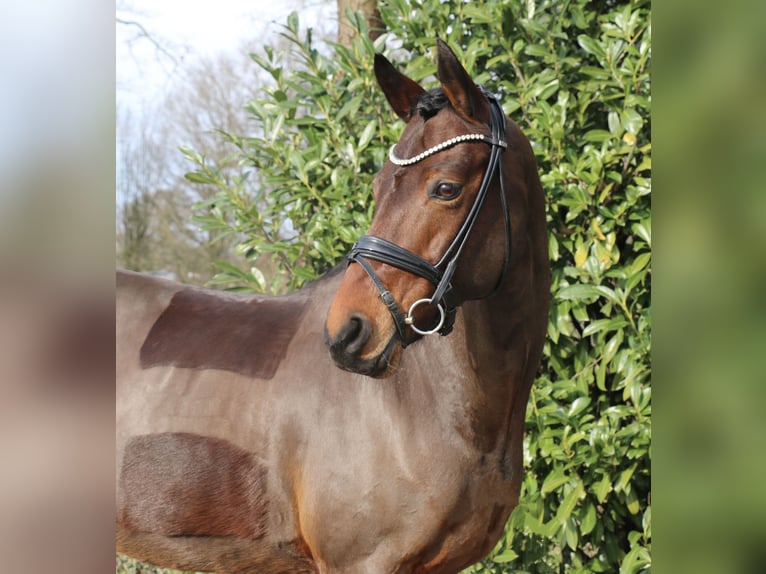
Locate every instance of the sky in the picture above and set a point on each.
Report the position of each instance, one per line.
(188, 30)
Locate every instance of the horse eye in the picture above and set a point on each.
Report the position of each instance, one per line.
(446, 191)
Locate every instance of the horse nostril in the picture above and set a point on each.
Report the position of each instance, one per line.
(353, 336)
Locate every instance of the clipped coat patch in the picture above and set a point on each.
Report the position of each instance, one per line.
(201, 330)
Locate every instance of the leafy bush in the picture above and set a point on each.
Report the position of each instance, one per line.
(576, 78)
(323, 131)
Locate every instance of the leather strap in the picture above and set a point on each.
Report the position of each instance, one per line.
(440, 274)
(385, 296)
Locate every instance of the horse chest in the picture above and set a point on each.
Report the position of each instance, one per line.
(435, 500)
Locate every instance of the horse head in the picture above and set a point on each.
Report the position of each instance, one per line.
(440, 234)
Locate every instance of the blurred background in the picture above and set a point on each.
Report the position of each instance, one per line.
(709, 464)
(57, 133)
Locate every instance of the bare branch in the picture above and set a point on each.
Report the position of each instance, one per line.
(143, 33)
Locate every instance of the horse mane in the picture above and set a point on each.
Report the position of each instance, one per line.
(430, 102)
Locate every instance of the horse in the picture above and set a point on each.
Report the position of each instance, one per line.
(372, 421)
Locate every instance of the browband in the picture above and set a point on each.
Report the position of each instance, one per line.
(442, 146)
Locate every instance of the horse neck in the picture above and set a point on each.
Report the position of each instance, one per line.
(502, 335)
(470, 379)
(507, 328)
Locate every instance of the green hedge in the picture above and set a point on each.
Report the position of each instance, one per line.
(575, 76)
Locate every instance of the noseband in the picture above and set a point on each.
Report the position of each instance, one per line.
(440, 274)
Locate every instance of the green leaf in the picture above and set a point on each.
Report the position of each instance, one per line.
(646, 522)
(259, 278)
(578, 405)
(635, 561)
(570, 534)
(230, 269)
(367, 134)
(597, 136)
(505, 557)
(569, 502)
(198, 177)
(556, 478)
(304, 273)
(602, 488)
(615, 126)
(624, 478)
(601, 375)
(643, 230)
(639, 263)
(632, 121)
(350, 107)
(191, 155)
(631, 501)
(536, 50)
(478, 13)
(591, 46)
(578, 292)
(599, 325)
(292, 22)
(588, 522)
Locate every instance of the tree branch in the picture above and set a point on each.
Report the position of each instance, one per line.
(143, 33)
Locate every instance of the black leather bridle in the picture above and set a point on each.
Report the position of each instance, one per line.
(440, 274)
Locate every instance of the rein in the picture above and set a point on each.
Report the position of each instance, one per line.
(440, 274)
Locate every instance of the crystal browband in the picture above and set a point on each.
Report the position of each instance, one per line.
(442, 146)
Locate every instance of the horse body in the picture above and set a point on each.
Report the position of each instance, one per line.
(242, 447)
(360, 472)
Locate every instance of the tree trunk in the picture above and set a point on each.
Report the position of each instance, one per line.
(369, 8)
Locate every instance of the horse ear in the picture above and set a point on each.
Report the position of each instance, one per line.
(465, 96)
(401, 92)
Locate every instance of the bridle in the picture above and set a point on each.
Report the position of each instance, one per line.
(440, 274)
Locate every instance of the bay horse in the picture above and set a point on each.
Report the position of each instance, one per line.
(297, 434)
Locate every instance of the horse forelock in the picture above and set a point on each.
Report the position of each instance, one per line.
(431, 102)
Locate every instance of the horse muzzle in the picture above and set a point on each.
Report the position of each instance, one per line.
(347, 349)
